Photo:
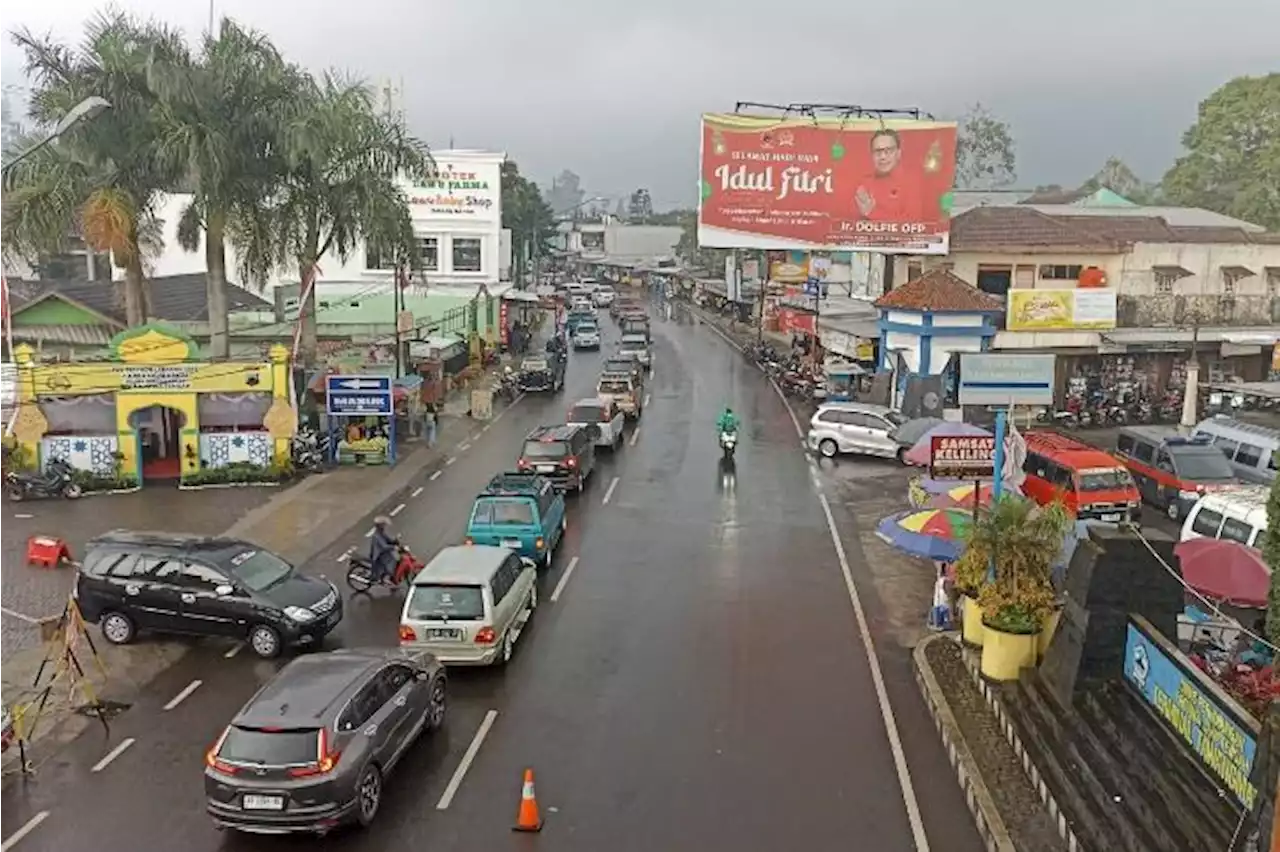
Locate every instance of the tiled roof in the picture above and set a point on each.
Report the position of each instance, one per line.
(1123, 229)
(175, 298)
(76, 335)
(939, 290)
(983, 228)
(1200, 234)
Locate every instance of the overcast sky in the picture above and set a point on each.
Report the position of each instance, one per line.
(612, 89)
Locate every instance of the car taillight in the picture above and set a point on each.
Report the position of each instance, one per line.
(407, 634)
(325, 760)
(538, 543)
(468, 540)
(212, 760)
(522, 463)
(571, 461)
(486, 636)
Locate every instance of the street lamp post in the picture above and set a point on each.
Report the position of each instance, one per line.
(87, 110)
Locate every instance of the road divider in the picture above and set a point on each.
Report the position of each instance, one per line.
(183, 695)
(120, 749)
(27, 827)
(564, 579)
(451, 790)
(608, 493)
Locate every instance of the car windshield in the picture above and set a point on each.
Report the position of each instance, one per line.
(614, 387)
(1104, 480)
(894, 417)
(514, 511)
(533, 364)
(544, 449)
(438, 602)
(587, 328)
(258, 569)
(1201, 464)
(276, 747)
(592, 413)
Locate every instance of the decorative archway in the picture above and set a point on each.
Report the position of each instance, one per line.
(159, 434)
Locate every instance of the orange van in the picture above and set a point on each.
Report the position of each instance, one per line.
(1093, 484)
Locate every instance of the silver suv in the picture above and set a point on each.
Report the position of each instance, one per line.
(854, 427)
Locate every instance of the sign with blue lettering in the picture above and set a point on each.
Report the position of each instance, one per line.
(990, 378)
(356, 396)
(1222, 737)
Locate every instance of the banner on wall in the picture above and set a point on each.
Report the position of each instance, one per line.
(1061, 310)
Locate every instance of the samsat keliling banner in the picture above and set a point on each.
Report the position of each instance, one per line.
(826, 184)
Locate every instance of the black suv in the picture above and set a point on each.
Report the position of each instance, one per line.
(132, 581)
(564, 454)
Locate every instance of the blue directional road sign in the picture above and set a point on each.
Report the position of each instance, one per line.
(358, 395)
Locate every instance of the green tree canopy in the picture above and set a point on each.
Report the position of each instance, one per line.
(986, 155)
(527, 215)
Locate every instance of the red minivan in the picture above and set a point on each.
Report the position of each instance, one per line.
(1093, 484)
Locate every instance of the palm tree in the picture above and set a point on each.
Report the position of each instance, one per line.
(219, 119)
(526, 214)
(342, 163)
(101, 178)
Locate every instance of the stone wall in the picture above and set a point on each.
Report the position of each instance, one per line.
(1157, 311)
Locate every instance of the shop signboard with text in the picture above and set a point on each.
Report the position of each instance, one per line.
(462, 189)
(962, 456)
(826, 184)
(1061, 310)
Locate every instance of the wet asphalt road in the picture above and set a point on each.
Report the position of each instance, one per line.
(696, 680)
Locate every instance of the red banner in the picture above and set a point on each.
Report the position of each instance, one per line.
(826, 184)
(793, 321)
(504, 331)
(962, 456)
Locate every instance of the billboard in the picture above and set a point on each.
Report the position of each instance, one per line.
(962, 456)
(826, 184)
(1061, 310)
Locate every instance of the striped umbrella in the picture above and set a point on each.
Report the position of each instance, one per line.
(961, 497)
(932, 533)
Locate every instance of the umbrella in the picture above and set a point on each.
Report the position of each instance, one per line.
(961, 497)
(913, 430)
(922, 449)
(930, 533)
(1225, 571)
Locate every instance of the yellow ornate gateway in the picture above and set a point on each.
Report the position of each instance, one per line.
(155, 377)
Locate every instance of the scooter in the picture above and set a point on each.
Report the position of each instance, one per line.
(57, 480)
(728, 444)
(360, 575)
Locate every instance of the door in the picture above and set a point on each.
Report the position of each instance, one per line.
(395, 688)
(616, 423)
(878, 436)
(501, 587)
(1165, 494)
(856, 429)
(203, 609)
(151, 594)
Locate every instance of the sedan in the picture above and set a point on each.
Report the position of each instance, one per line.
(586, 336)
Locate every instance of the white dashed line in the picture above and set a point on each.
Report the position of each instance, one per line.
(183, 695)
(29, 826)
(485, 427)
(464, 446)
(436, 475)
(417, 491)
(647, 397)
(455, 782)
(449, 461)
(112, 755)
(233, 650)
(368, 533)
(26, 517)
(397, 510)
(635, 436)
(564, 579)
(608, 494)
(342, 557)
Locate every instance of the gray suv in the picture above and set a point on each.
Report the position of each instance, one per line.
(311, 751)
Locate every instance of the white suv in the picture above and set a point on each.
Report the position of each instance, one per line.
(854, 427)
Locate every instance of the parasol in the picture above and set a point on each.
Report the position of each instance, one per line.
(1225, 571)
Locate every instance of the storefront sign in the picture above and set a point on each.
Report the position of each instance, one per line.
(793, 321)
(962, 456)
(77, 379)
(503, 330)
(462, 190)
(826, 183)
(990, 378)
(1061, 310)
(1221, 736)
(358, 395)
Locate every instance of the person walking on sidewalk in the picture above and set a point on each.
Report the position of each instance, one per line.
(429, 423)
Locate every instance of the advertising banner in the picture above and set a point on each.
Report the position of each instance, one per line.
(1185, 699)
(463, 189)
(835, 184)
(962, 456)
(1044, 310)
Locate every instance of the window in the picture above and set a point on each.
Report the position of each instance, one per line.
(288, 747)
(1124, 444)
(1249, 455)
(466, 254)
(1165, 281)
(505, 577)
(259, 569)
(376, 259)
(160, 570)
(438, 602)
(517, 511)
(1144, 452)
(1234, 530)
(1202, 464)
(545, 449)
(361, 708)
(1206, 523)
(110, 564)
(1060, 272)
(1061, 478)
(398, 676)
(429, 253)
(201, 577)
(1105, 480)
(1227, 446)
(1035, 465)
(593, 412)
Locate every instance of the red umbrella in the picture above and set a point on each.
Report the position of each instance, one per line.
(1225, 571)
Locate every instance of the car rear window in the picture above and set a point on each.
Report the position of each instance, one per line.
(615, 387)
(435, 602)
(1104, 480)
(545, 449)
(503, 511)
(587, 414)
(634, 342)
(275, 747)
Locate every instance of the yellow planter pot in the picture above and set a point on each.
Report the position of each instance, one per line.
(971, 621)
(1046, 633)
(1005, 655)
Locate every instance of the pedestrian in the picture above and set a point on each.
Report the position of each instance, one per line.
(429, 423)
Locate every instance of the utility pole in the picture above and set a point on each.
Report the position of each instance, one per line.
(1191, 392)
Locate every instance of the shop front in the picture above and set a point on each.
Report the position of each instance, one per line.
(154, 411)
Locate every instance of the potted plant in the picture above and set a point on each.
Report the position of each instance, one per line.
(1021, 539)
(971, 576)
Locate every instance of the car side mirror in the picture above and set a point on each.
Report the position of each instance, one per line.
(224, 590)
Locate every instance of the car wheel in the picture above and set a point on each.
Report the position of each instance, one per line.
(118, 628)
(901, 455)
(533, 597)
(368, 795)
(437, 704)
(508, 647)
(16, 493)
(264, 641)
(828, 448)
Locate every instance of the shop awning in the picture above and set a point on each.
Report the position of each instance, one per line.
(1266, 390)
(521, 296)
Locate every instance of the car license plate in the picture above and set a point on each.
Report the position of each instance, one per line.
(513, 543)
(263, 803)
(444, 633)
(546, 468)
(1112, 517)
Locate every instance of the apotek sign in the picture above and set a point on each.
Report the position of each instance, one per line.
(461, 190)
(962, 456)
(826, 184)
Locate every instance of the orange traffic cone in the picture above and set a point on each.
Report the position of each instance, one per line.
(528, 819)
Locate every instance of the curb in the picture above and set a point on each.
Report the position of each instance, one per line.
(987, 819)
(1024, 757)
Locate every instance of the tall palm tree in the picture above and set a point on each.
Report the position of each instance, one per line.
(101, 178)
(342, 164)
(220, 115)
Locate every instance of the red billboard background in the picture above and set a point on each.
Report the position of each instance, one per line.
(826, 184)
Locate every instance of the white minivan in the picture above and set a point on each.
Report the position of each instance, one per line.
(1235, 514)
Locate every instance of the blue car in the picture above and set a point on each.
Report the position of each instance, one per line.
(520, 511)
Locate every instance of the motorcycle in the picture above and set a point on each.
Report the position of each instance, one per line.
(309, 451)
(57, 480)
(728, 444)
(360, 575)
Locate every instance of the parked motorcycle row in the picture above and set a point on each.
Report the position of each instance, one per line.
(1101, 408)
(794, 375)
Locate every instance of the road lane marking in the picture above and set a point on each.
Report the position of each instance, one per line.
(646, 399)
(183, 695)
(795, 421)
(613, 483)
(455, 782)
(29, 826)
(877, 680)
(635, 436)
(449, 461)
(233, 650)
(397, 510)
(18, 615)
(436, 475)
(485, 427)
(417, 491)
(26, 517)
(113, 754)
(464, 446)
(564, 579)
(344, 555)
(368, 533)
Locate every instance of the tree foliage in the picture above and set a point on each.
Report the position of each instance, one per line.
(1116, 176)
(527, 215)
(1232, 159)
(986, 155)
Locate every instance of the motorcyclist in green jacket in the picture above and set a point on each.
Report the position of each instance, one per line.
(728, 421)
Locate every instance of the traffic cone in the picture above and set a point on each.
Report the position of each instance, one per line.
(528, 819)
